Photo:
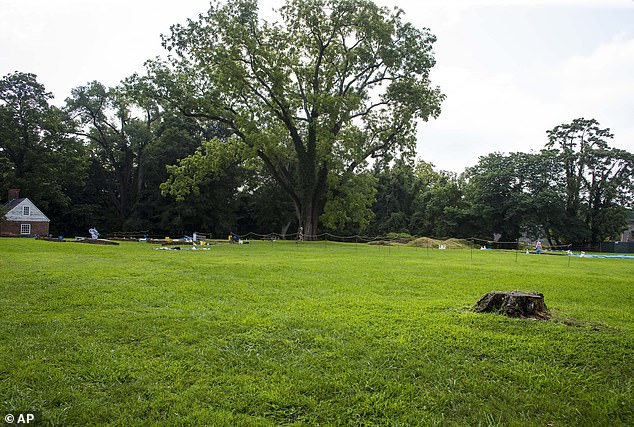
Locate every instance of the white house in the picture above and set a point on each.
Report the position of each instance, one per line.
(23, 218)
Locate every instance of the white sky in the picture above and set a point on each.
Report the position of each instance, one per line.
(511, 69)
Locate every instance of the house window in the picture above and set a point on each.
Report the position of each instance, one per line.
(25, 228)
(26, 210)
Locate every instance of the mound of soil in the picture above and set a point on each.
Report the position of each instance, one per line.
(396, 241)
(378, 243)
(425, 242)
(97, 242)
(456, 244)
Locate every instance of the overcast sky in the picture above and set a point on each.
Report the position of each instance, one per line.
(511, 69)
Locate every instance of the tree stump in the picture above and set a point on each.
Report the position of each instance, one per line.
(513, 304)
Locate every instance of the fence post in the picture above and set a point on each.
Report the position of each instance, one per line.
(517, 249)
(472, 243)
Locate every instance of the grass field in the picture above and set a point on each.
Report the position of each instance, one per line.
(281, 333)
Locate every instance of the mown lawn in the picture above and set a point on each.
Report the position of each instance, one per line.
(281, 333)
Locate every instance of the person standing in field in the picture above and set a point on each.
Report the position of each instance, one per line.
(538, 247)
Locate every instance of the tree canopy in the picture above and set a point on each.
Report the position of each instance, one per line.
(37, 151)
(599, 179)
(330, 85)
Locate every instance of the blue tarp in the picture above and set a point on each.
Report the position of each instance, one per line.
(603, 256)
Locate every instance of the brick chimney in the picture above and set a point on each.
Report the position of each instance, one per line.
(14, 193)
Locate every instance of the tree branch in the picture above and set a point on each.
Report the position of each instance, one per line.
(376, 148)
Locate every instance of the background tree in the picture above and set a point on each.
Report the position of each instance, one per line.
(599, 179)
(264, 207)
(117, 131)
(398, 185)
(515, 194)
(542, 182)
(334, 83)
(37, 152)
(440, 208)
(349, 201)
(496, 197)
(418, 200)
(177, 137)
(215, 173)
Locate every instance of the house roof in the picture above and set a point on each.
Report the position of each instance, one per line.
(14, 213)
(13, 203)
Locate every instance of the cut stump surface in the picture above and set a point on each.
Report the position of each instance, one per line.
(513, 304)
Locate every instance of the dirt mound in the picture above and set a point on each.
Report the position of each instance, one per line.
(427, 242)
(398, 241)
(379, 243)
(456, 244)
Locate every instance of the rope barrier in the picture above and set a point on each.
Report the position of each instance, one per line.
(357, 238)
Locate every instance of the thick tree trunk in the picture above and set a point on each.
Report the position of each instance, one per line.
(310, 227)
(513, 304)
(309, 219)
(312, 202)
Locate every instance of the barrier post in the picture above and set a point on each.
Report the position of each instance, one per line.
(471, 249)
(517, 249)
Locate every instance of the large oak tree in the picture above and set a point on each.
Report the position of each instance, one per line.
(328, 86)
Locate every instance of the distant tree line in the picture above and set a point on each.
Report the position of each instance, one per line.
(112, 158)
(256, 127)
